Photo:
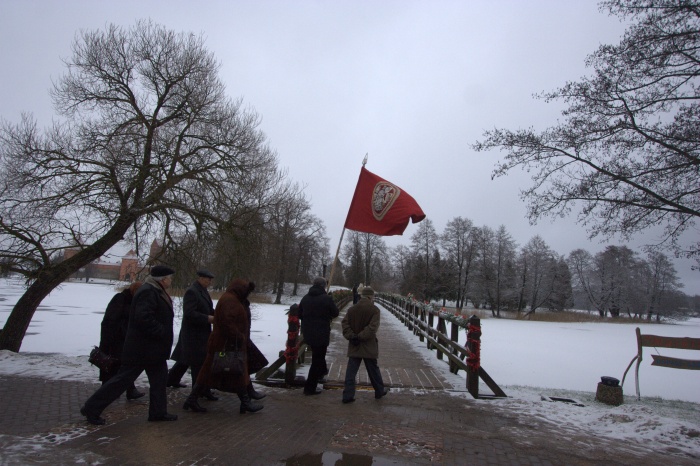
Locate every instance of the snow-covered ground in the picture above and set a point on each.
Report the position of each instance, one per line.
(527, 359)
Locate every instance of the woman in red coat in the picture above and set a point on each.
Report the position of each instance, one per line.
(231, 332)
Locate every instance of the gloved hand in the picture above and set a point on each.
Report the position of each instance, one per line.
(354, 340)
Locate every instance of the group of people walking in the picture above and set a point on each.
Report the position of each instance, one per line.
(137, 330)
(147, 325)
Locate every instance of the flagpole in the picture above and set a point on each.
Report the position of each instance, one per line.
(335, 260)
(337, 251)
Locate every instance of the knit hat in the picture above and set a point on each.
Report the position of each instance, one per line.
(320, 281)
(367, 291)
(161, 271)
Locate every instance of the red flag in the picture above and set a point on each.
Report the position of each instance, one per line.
(380, 207)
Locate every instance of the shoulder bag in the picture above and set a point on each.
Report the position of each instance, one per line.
(228, 362)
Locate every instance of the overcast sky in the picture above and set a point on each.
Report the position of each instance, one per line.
(411, 83)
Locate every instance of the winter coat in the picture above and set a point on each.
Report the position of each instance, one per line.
(316, 310)
(362, 319)
(231, 333)
(197, 306)
(149, 337)
(113, 329)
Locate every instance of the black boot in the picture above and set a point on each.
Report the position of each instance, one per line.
(248, 405)
(253, 394)
(191, 401)
(133, 393)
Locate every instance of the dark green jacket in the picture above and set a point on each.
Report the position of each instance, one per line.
(362, 319)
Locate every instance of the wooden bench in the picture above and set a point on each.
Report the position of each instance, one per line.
(655, 341)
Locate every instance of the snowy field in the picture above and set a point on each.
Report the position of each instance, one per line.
(527, 359)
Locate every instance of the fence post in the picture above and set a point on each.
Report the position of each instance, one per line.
(420, 317)
(442, 329)
(474, 358)
(431, 321)
(454, 336)
(291, 352)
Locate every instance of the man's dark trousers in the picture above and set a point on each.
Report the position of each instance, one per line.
(375, 376)
(114, 387)
(176, 373)
(317, 369)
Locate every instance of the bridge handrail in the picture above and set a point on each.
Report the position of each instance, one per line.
(420, 320)
(426, 331)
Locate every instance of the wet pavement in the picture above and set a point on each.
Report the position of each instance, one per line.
(423, 420)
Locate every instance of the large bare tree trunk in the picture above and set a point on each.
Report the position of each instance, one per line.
(21, 315)
(48, 278)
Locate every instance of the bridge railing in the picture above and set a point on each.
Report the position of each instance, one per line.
(430, 323)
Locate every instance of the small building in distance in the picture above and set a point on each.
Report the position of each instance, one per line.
(126, 269)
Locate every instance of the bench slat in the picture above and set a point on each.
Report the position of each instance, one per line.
(671, 342)
(675, 363)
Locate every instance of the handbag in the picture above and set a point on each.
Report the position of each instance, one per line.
(229, 362)
(102, 360)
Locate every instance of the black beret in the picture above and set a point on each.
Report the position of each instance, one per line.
(161, 271)
(205, 273)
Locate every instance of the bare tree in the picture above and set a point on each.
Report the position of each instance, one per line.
(354, 259)
(425, 242)
(312, 251)
(288, 221)
(458, 241)
(540, 264)
(148, 142)
(404, 262)
(662, 282)
(505, 285)
(628, 148)
(580, 263)
(367, 258)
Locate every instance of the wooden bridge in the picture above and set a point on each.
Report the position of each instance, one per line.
(400, 361)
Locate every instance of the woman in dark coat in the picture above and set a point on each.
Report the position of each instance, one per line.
(231, 333)
(113, 333)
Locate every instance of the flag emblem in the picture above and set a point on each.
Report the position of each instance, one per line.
(383, 197)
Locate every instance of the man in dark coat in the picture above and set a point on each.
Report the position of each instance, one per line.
(149, 339)
(316, 311)
(113, 333)
(197, 317)
(360, 326)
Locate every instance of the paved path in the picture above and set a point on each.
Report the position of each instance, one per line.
(40, 424)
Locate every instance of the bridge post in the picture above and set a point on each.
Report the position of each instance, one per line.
(442, 329)
(431, 322)
(291, 352)
(474, 358)
(454, 336)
